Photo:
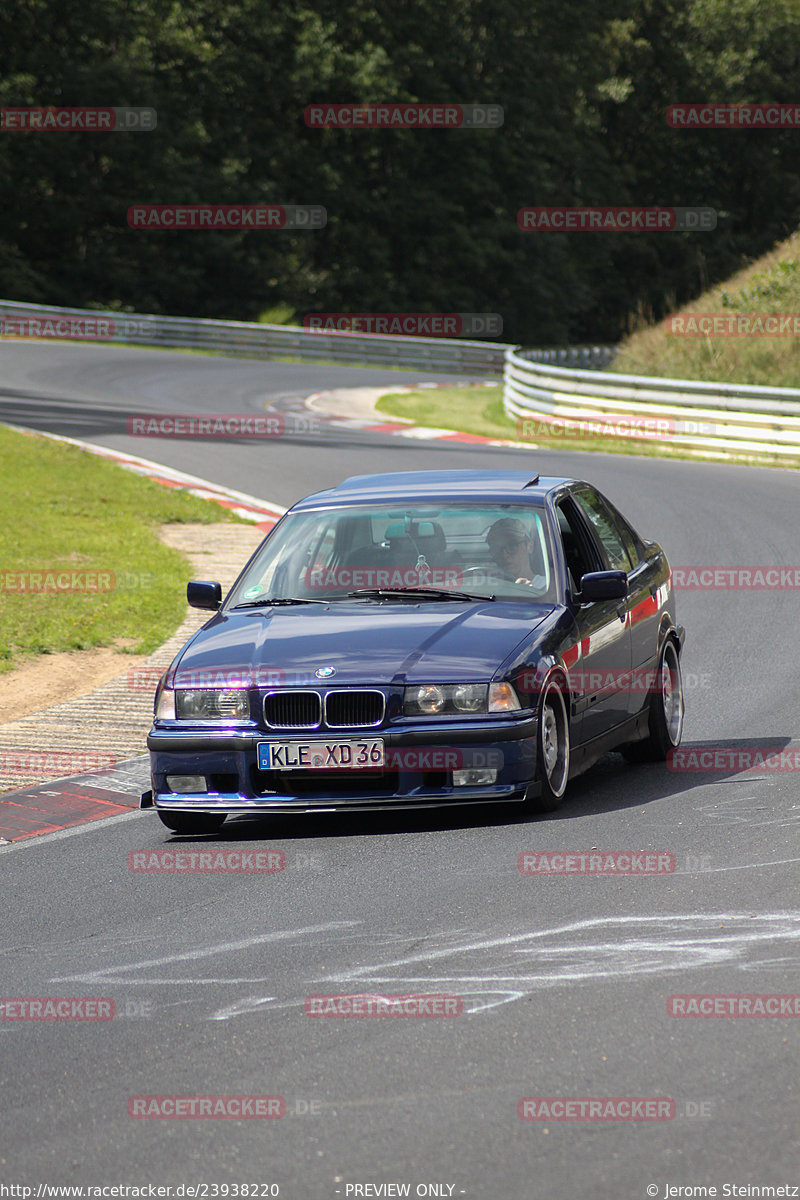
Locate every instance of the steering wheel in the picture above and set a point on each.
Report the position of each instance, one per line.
(489, 569)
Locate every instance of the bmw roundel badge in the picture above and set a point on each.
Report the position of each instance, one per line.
(325, 672)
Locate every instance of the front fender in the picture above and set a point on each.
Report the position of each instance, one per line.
(668, 628)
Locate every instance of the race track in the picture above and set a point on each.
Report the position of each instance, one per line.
(564, 980)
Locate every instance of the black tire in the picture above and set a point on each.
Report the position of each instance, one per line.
(665, 721)
(552, 752)
(189, 822)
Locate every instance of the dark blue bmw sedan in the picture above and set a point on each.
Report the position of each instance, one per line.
(421, 639)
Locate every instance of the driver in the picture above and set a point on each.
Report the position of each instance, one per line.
(510, 545)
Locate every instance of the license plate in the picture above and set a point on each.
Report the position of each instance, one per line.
(321, 755)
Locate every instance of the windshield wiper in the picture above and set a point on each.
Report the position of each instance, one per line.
(278, 600)
(435, 593)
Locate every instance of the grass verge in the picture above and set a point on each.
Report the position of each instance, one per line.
(480, 410)
(468, 409)
(90, 524)
(769, 285)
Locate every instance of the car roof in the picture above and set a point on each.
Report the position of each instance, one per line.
(465, 485)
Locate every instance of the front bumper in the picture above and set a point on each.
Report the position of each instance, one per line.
(228, 761)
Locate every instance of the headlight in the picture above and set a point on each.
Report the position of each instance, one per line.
(470, 697)
(426, 699)
(212, 704)
(446, 699)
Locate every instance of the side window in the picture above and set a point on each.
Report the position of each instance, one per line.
(631, 539)
(607, 529)
(580, 557)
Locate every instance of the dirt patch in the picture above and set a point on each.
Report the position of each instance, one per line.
(53, 678)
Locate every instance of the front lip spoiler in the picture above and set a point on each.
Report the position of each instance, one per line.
(236, 805)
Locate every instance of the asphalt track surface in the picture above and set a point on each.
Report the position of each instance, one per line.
(564, 980)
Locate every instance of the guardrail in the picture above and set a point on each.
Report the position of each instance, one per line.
(590, 358)
(263, 341)
(710, 419)
(720, 420)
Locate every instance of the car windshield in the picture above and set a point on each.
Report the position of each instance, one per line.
(499, 550)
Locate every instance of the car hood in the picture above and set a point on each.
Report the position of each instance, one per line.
(363, 642)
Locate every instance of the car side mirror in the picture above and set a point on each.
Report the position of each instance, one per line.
(202, 594)
(603, 585)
